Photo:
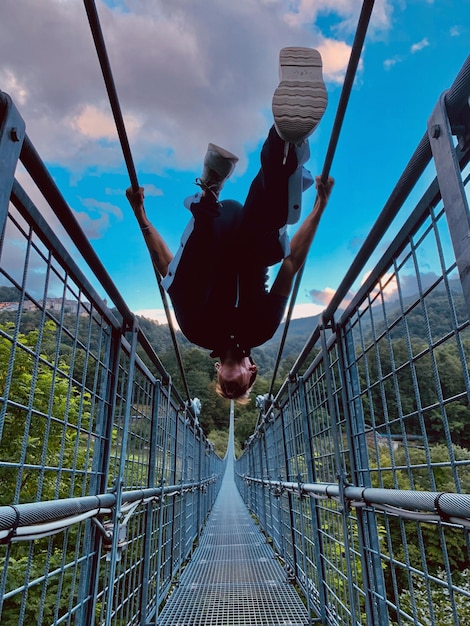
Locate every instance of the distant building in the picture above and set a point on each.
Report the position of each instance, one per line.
(50, 304)
(8, 306)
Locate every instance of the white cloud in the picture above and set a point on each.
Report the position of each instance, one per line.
(94, 228)
(101, 207)
(11, 84)
(386, 284)
(303, 12)
(96, 124)
(388, 63)
(184, 72)
(151, 190)
(40, 203)
(355, 244)
(308, 309)
(322, 297)
(13, 253)
(157, 315)
(335, 56)
(416, 47)
(420, 45)
(96, 220)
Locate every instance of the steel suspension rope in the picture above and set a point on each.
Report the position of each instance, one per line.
(358, 43)
(103, 58)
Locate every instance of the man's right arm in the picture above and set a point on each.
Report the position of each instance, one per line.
(159, 251)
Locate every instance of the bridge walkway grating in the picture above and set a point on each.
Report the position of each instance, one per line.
(234, 577)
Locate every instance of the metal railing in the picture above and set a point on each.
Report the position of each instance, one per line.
(106, 477)
(359, 469)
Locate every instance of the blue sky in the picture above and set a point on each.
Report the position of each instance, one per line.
(189, 72)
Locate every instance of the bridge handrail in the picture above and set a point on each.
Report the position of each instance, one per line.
(25, 514)
(443, 505)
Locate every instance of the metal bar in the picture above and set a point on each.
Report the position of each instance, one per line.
(451, 188)
(30, 212)
(266, 496)
(299, 454)
(455, 505)
(149, 515)
(200, 470)
(89, 582)
(45, 183)
(314, 514)
(119, 479)
(12, 131)
(165, 436)
(368, 532)
(103, 58)
(449, 504)
(111, 89)
(181, 529)
(262, 512)
(456, 96)
(339, 465)
(356, 51)
(290, 497)
(358, 44)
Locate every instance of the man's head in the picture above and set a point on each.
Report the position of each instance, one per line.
(236, 376)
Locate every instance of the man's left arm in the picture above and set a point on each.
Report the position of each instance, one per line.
(301, 241)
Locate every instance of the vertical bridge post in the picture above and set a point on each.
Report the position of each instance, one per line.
(12, 132)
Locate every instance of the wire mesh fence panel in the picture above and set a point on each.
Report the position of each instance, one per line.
(409, 351)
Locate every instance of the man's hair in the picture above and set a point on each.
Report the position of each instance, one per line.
(235, 389)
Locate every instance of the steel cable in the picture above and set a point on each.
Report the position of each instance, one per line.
(103, 58)
(353, 63)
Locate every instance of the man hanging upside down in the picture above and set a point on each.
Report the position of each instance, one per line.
(217, 279)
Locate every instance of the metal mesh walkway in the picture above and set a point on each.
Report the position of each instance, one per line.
(234, 578)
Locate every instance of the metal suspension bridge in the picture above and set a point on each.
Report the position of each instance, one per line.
(345, 507)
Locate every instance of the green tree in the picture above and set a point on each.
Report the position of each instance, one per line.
(220, 440)
(9, 294)
(39, 439)
(41, 422)
(418, 472)
(42, 606)
(439, 599)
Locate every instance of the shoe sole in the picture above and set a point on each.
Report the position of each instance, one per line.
(300, 99)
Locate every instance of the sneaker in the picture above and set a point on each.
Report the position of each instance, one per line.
(300, 99)
(218, 166)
